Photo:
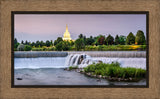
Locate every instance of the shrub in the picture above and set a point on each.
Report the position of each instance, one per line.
(114, 70)
(27, 48)
(73, 67)
(37, 49)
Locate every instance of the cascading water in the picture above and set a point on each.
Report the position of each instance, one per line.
(83, 60)
(75, 59)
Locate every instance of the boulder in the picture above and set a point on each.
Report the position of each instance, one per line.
(19, 78)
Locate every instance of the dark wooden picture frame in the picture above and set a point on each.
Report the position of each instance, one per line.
(152, 91)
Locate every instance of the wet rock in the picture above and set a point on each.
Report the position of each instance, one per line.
(130, 78)
(125, 79)
(103, 77)
(19, 78)
(119, 79)
(99, 61)
(98, 80)
(89, 74)
(99, 76)
(67, 69)
(94, 76)
(106, 77)
(114, 78)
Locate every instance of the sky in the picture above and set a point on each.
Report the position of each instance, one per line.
(33, 27)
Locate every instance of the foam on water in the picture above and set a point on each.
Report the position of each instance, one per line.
(80, 60)
(87, 60)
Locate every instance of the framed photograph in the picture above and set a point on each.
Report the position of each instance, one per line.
(80, 49)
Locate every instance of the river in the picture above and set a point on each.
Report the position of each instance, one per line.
(50, 71)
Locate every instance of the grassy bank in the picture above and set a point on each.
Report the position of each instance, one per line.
(114, 70)
(115, 48)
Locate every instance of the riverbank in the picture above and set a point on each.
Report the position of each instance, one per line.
(111, 72)
(123, 54)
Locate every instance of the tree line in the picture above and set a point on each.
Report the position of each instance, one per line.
(82, 41)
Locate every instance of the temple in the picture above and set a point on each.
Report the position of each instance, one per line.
(66, 35)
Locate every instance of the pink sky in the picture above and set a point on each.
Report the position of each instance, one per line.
(33, 27)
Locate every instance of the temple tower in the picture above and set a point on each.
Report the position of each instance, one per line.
(66, 35)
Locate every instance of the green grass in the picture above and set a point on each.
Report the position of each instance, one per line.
(73, 67)
(114, 70)
(115, 47)
(97, 48)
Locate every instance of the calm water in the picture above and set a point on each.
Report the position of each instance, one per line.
(49, 71)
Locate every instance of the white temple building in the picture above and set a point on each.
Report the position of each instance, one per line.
(66, 35)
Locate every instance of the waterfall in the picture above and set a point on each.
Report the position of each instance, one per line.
(83, 60)
(75, 59)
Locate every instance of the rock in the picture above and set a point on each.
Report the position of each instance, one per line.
(94, 76)
(19, 78)
(106, 77)
(89, 74)
(119, 79)
(99, 61)
(99, 76)
(98, 79)
(82, 72)
(113, 78)
(65, 68)
(125, 79)
(103, 77)
(122, 79)
(130, 78)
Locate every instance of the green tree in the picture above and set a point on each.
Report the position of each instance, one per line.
(140, 38)
(79, 44)
(59, 39)
(22, 42)
(15, 41)
(51, 42)
(122, 40)
(66, 45)
(101, 40)
(89, 41)
(71, 43)
(59, 46)
(27, 48)
(33, 44)
(109, 40)
(26, 42)
(117, 40)
(80, 36)
(37, 44)
(48, 43)
(130, 39)
(42, 43)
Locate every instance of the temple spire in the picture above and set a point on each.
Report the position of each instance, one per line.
(66, 27)
(66, 35)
